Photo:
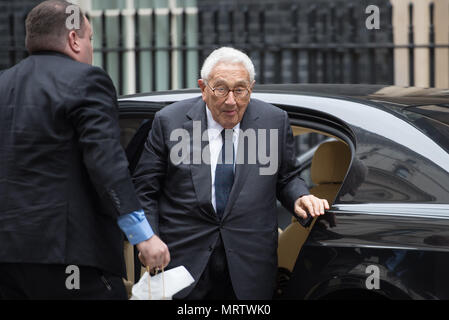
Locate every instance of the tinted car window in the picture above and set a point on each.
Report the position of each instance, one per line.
(134, 132)
(436, 127)
(128, 128)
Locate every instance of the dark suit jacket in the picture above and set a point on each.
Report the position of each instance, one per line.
(63, 174)
(177, 199)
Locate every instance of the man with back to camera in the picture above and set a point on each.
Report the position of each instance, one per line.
(215, 209)
(65, 188)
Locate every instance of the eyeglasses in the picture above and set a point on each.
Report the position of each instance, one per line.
(223, 91)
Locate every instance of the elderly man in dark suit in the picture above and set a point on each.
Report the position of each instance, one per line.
(65, 188)
(211, 201)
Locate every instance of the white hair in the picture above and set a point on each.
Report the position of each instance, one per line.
(227, 54)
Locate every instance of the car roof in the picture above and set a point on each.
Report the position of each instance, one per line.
(432, 103)
(400, 96)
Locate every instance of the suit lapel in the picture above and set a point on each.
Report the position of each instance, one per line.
(200, 171)
(242, 169)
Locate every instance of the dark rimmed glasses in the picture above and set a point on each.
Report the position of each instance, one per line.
(222, 91)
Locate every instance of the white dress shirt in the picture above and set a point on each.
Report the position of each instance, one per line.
(215, 143)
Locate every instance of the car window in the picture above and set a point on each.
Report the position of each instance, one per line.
(134, 132)
(128, 129)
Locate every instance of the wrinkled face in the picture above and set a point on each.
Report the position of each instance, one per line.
(227, 110)
(86, 49)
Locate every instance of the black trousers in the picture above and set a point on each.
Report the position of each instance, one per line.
(215, 282)
(26, 281)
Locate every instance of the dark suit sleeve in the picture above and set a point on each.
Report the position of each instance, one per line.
(95, 119)
(289, 185)
(150, 172)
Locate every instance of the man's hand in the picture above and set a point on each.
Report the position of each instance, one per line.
(311, 204)
(153, 253)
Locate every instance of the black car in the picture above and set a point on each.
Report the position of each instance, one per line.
(383, 165)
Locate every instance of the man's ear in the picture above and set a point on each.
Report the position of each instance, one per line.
(252, 84)
(251, 87)
(202, 86)
(73, 41)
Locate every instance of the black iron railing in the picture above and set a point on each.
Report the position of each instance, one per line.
(300, 43)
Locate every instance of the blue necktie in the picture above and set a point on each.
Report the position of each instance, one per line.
(224, 172)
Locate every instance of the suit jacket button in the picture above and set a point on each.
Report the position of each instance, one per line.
(210, 248)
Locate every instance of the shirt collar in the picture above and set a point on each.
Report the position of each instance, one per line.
(214, 127)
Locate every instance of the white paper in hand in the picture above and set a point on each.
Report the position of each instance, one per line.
(174, 281)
